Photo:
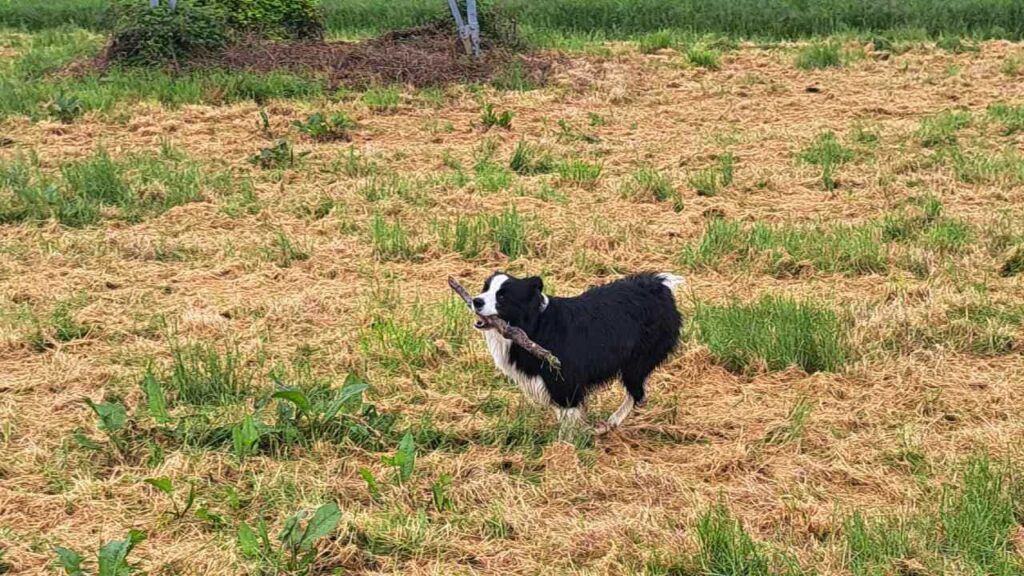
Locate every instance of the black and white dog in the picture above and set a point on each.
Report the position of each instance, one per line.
(623, 329)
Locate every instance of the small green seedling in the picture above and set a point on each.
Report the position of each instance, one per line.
(156, 400)
(296, 551)
(112, 559)
(404, 459)
(112, 418)
(569, 133)
(439, 491)
(325, 129)
(245, 437)
(489, 118)
(321, 416)
(371, 484)
(166, 485)
(65, 108)
(280, 155)
(265, 123)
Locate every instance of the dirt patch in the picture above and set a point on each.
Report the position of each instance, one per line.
(428, 55)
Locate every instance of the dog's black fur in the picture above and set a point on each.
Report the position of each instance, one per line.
(623, 329)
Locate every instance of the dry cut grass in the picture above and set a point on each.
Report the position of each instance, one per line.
(853, 358)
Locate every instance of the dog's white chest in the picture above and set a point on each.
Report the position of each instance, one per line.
(500, 348)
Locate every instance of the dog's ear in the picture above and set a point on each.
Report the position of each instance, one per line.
(537, 284)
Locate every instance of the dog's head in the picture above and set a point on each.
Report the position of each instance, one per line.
(515, 300)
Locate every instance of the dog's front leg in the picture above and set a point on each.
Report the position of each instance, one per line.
(570, 422)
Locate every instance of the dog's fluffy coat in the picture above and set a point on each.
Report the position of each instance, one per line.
(624, 329)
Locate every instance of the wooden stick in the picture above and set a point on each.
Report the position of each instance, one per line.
(511, 332)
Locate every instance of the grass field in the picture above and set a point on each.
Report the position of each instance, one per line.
(223, 307)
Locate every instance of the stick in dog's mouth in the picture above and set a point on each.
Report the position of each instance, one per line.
(504, 328)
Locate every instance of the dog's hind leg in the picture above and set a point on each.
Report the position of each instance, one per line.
(617, 417)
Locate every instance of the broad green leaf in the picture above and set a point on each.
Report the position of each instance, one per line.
(294, 396)
(290, 535)
(244, 436)
(114, 555)
(247, 542)
(69, 560)
(353, 386)
(323, 522)
(351, 393)
(112, 415)
(155, 399)
(113, 559)
(162, 484)
(406, 457)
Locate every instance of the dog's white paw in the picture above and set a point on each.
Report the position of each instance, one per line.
(602, 428)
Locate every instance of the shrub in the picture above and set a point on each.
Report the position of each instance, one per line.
(154, 36)
(276, 19)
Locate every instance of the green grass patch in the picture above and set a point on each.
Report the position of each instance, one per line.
(392, 240)
(1010, 117)
(829, 154)
(508, 231)
(579, 172)
(530, 159)
(941, 129)
(647, 183)
(204, 375)
(988, 167)
(567, 21)
(489, 175)
(704, 57)
(470, 236)
(132, 188)
(382, 100)
(655, 41)
(30, 86)
(978, 518)
(711, 180)
(387, 186)
(873, 545)
(724, 547)
(819, 56)
(284, 252)
(948, 235)
(514, 77)
(784, 250)
(773, 332)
